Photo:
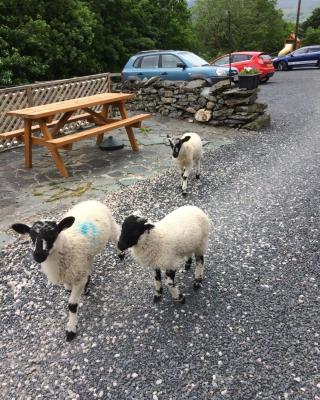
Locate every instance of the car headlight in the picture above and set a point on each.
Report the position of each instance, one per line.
(221, 72)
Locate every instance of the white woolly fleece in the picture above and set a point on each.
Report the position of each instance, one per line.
(191, 151)
(71, 257)
(180, 234)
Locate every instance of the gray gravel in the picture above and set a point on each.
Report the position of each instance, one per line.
(251, 332)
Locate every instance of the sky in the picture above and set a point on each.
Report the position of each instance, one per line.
(289, 7)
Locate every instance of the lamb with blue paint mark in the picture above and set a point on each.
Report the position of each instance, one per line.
(187, 151)
(66, 249)
(165, 244)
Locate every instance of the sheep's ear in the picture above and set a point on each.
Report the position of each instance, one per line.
(65, 223)
(185, 139)
(21, 228)
(170, 141)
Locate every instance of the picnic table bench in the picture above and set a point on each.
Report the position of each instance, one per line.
(43, 116)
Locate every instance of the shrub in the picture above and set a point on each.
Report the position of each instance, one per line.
(249, 71)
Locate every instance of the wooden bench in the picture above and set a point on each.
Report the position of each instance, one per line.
(18, 133)
(134, 122)
(43, 116)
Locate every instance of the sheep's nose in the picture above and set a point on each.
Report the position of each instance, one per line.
(40, 257)
(121, 246)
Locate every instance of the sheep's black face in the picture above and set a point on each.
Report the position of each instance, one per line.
(132, 228)
(176, 148)
(176, 145)
(43, 235)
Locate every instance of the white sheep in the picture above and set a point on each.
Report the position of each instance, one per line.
(66, 249)
(187, 150)
(164, 244)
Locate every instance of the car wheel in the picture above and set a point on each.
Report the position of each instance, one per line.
(282, 66)
(318, 64)
(264, 80)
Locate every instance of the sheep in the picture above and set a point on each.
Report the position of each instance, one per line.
(186, 151)
(66, 249)
(164, 244)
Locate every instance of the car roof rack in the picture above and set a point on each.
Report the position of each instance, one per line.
(152, 51)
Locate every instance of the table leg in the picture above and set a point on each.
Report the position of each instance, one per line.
(54, 152)
(124, 114)
(104, 113)
(59, 125)
(27, 144)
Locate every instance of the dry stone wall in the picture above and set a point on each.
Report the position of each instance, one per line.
(220, 104)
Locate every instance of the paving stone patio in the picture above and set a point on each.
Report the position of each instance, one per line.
(93, 172)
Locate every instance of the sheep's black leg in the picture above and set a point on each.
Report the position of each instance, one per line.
(198, 169)
(157, 286)
(185, 176)
(182, 172)
(173, 289)
(188, 263)
(74, 298)
(198, 275)
(86, 288)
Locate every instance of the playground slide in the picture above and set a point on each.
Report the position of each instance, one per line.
(288, 48)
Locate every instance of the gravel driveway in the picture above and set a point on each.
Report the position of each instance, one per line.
(251, 332)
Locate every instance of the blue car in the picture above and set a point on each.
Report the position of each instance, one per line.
(308, 56)
(173, 65)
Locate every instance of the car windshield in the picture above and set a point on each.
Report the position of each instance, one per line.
(195, 60)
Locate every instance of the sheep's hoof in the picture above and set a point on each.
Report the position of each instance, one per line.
(157, 298)
(181, 299)
(184, 194)
(87, 292)
(70, 335)
(121, 256)
(197, 284)
(197, 176)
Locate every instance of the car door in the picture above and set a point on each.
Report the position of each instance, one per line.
(314, 56)
(170, 70)
(148, 66)
(298, 58)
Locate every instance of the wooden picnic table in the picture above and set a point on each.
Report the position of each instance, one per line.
(43, 115)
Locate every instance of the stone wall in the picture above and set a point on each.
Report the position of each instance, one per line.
(220, 104)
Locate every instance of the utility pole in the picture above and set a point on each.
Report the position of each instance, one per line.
(297, 25)
(229, 42)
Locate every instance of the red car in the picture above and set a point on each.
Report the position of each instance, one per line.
(253, 59)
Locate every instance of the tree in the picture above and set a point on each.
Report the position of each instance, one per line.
(313, 21)
(42, 40)
(45, 40)
(311, 37)
(256, 25)
(311, 29)
(128, 26)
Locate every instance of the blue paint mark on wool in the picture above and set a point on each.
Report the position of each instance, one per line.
(88, 229)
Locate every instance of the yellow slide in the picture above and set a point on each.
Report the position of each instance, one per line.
(288, 48)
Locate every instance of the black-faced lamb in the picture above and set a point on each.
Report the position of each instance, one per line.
(187, 151)
(165, 244)
(66, 249)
